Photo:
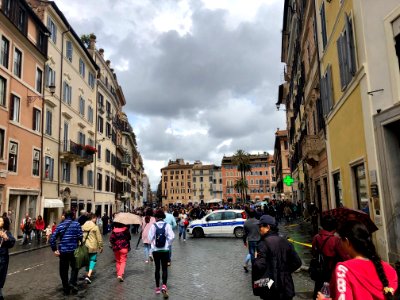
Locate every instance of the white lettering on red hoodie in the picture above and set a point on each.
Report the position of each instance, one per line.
(357, 279)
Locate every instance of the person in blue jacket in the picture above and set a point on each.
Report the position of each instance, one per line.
(69, 233)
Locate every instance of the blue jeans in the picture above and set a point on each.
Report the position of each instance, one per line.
(252, 250)
(147, 251)
(182, 231)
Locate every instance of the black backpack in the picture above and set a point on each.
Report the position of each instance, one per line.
(161, 237)
(318, 269)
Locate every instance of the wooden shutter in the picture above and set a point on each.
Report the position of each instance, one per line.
(11, 107)
(350, 46)
(329, 87)
(341, 62)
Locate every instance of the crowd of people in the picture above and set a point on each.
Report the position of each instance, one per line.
(350, 268)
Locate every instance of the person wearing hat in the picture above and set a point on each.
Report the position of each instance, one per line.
(277, 259)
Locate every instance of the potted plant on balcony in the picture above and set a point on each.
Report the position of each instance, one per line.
(89, 149)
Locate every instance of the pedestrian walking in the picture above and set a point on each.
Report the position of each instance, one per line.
(183, 223)
(169, 219)
(26, 227)
(161, 237)
(329, 246)
(120, 240)
(251, 236)
(69, 233)
(48, 233)
(365, 276)
(277, 260)
(7, 241)
(39, 227)
(105, 219)
(148, 221)
(94, 242)
(83, 217)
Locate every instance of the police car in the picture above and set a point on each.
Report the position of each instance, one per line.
(219, 222)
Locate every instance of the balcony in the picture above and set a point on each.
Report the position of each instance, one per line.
(100, 107)
(71, 151)
(311, 147)
(126, 161)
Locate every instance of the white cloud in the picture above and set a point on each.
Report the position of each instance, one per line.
(200, 77)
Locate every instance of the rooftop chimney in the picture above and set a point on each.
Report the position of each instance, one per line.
(101, 52)
(108, 62)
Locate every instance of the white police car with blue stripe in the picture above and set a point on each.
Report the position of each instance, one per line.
(220, 222)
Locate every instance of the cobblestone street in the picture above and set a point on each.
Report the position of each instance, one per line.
(209, 268)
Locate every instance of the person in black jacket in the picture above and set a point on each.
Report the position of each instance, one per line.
(6, 241)
(276, 259)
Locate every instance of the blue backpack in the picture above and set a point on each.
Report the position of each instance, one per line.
(161, 237)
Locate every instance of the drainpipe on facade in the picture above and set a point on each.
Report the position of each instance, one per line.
(59, 117)
(94, 177)
(42, 138)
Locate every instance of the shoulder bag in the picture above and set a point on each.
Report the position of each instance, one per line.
(82, 254)
(317, 268)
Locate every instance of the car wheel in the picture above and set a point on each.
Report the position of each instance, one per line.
(238, 232)
(198, 233)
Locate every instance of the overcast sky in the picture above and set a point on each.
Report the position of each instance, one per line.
(200, 77)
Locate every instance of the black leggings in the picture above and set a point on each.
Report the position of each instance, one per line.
(161, 258)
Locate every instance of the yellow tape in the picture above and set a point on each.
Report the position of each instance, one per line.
(303, 244)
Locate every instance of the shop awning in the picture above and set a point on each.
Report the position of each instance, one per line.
(53, 203)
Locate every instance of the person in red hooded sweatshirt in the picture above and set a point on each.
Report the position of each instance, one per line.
(365, 276)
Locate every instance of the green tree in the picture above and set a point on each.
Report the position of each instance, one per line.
(242, 161)
(85, 38)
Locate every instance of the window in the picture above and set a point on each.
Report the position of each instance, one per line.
(67, 93)
(66, 172)
(323, 25)
(108, 156)
(90, 178)
(39, 80)
(79, 175)
(215, 217)
(50, 76)
(81, 106)
(81, 138)
(99, 151)
(22, 19)
(90, 114)
(69, 50)
(37, 118)
(91, 80)
(100, 100)
(108, 130)
(108, 106)
(3, 91)
(36, 162)
(99, 181)
(14, 108)
(346, 54)
(337, 185)
(12, 157)
(49, 122)
(2, 140)
(100, 125)
(360, 182)
(107, 187)
(91, 142)
(327, 91)
(53, 30)
(5, 52)
(17, 63)
(81, 67)
(48, 168)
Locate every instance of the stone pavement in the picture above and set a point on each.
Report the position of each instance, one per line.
(209, 268)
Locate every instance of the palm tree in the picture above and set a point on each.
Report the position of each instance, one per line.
(242, 160)
(241, 187)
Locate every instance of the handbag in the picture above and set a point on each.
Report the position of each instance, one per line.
(317, 269)
(186, 222)
(82, 254)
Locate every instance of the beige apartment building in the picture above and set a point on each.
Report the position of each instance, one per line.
(23, 54)
(177, 182)
(217, 188)
(202, 182)
(69, 146)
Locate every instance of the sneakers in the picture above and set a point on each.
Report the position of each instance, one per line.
(245, 269)
(169, 264)
(158, 290)
(146, 261)
(151, 258)
(164, 291)
(87, 279)
(120, 279)
(184, 240)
